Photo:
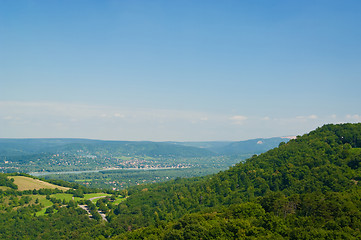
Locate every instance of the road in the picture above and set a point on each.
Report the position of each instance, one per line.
(85, 207)
(93, 198)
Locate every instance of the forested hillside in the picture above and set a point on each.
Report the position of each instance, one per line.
(312, 180)
(307, 188)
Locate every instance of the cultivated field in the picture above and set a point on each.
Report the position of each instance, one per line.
(26, 183)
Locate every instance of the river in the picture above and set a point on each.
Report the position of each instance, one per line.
(38, 174)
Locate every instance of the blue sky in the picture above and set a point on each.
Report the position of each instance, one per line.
(177, 70)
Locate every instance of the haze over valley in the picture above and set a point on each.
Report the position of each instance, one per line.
(180, 120)
(116, 164)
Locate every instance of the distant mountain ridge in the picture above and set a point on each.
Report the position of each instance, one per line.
(251, 146)
(25, 146)
(255, 146)
(18, 147)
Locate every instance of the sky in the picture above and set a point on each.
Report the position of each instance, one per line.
(177, 70)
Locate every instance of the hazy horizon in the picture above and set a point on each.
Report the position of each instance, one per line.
(177, 70)
(124, 140)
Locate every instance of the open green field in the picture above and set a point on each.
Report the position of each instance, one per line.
(42, 199)
(119, 200)
(68, 196)
(9, 201)
(93, 195)
(26, 183)
(62, 196)
(45, 202)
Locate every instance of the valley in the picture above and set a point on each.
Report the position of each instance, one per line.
(118, 164)
(180, 120)
(307, 188)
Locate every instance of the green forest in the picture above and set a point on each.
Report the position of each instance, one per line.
(307, 188)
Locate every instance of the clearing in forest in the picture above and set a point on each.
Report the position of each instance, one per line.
(27, 183)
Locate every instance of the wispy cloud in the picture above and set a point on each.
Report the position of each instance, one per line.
(354, 117)
(238, 119)
(49, 119)
(10, 118)
(312, 117)
(119, 115)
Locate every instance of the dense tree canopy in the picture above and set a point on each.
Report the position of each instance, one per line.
(322, 162)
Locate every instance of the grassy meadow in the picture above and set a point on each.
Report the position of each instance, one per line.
(27, 183)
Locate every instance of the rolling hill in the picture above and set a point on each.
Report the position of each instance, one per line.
(18, 147)
(22, 147)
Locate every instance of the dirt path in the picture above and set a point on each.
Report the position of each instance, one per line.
(85, 207)
(93, 198)
(103, 216)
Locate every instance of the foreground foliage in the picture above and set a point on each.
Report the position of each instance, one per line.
(306, 216)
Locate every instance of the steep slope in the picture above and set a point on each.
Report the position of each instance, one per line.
(324, 162)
